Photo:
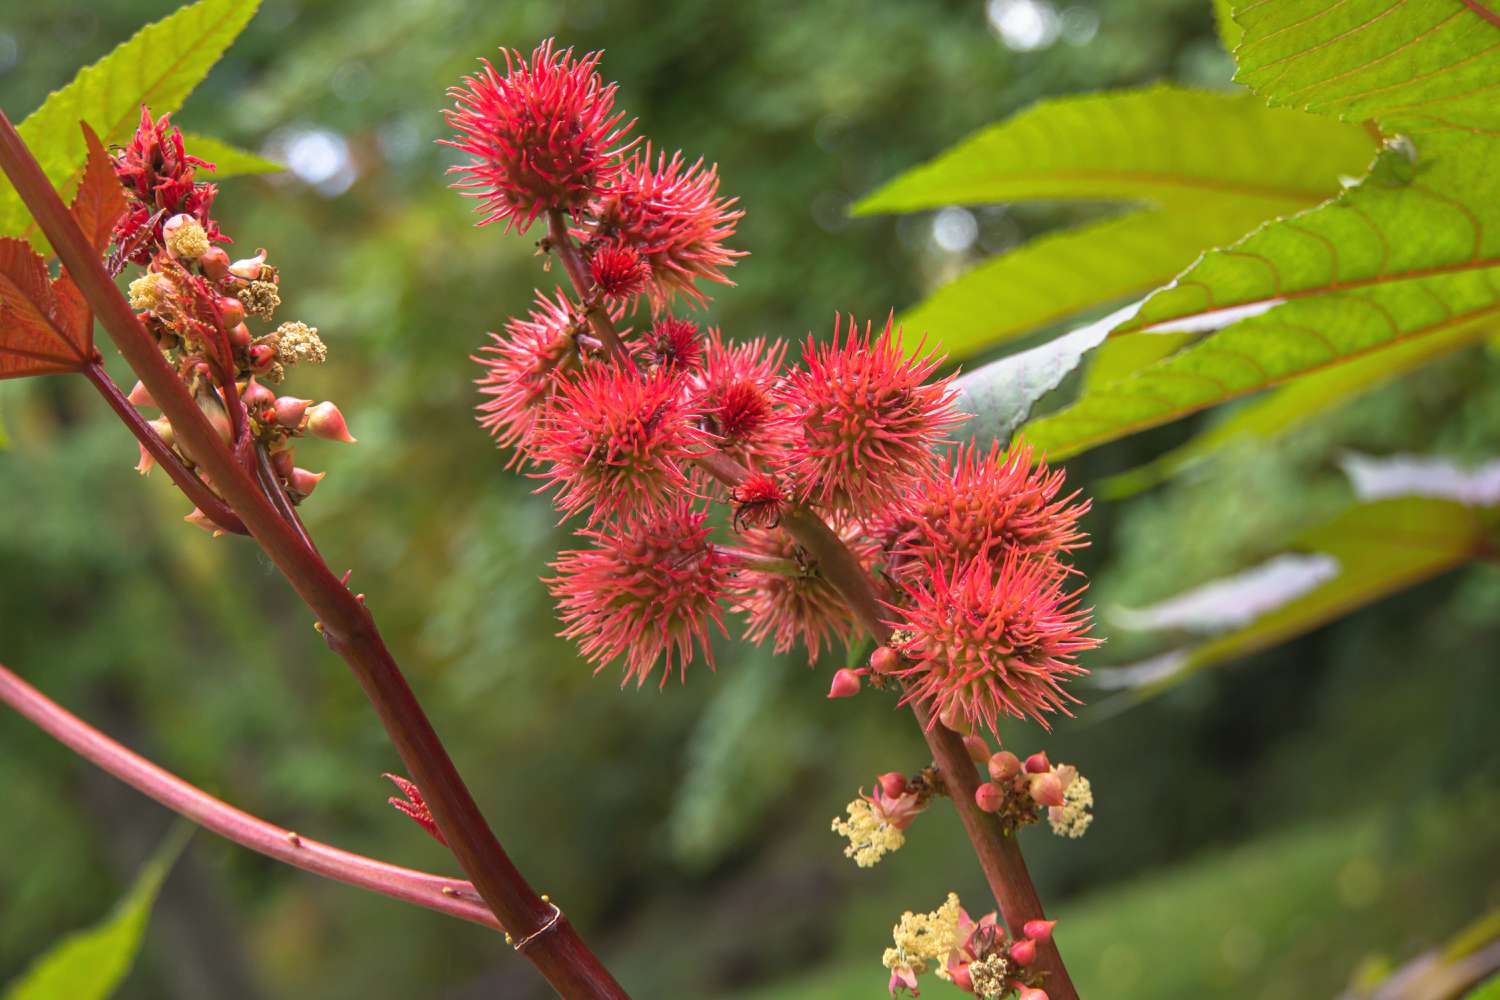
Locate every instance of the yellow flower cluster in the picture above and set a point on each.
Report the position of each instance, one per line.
(870, 837)
(1072, 818)
(150, 291)
(297, 343)
(990, 977)
(923, 938)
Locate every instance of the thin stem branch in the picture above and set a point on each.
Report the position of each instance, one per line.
(194, 488)
(451, 896)
(998, 853)
(542, 934)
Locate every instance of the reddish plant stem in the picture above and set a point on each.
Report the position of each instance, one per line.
(194, 488)
(998, 852)
(451, 896)
(540, 930)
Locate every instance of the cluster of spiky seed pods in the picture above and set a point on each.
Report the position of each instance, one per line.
(631, 429)
(197, 303)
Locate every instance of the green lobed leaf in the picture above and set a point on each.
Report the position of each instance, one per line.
(228, 160)
(1418, 65)
(1062, 274)
(1230, 33)
(1161, 144)
(1285, 408)
(158, 66)
(91, 964)
(1299, 338)
(1381, 547)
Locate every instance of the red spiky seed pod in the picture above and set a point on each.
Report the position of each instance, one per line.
(736, 393)
(542, 136)
(519, 368)
(792, 601)
(990, 502)
(645, 593)
(619, 271)
(674, 343)
(672, 214)
(864, 419)
(618, 440)
(988, 640)
(759, 501)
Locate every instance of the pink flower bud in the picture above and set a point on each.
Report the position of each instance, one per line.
(215, 263)
(1039, 930)
(979, 750)
(1004, 766)
(884, 660)
(1046, 789)
(325, 421)
(893, 784)
(262, 356)
(961, 977)
(231, 311)
(290, 410)
(1023, 951)
(845, 684)
(282, 461)
(146, 464)
(200, 520)
(304, 482)
(249, 268)
(163, 428)
(1037, 763)
(256, 396)
(989, 797)
(1032, 993)
(239, 339)
(141, 396)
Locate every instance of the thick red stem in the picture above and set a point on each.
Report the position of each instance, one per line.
(999, 854)
(445, 895)
(541, 933)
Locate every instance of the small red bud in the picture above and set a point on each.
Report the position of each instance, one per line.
(845, 684)
(262, 357)
(884, 660)
(989, 797)
(961, 977)
(257, 397)
(1037, 763)
(1004, 766)
(239, 337)
(281, 461)
(1023, 951)
(215, 263)
(290, 410)
(231, 311)
(893, 784)
(141, 396)
(304, 482)
(1032, 993)
(1039, 930)
(325, 421)
(979, 750)
(1046, 789)
(201, 520)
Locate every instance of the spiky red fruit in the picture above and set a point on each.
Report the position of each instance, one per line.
(646, 592)
(157, 171)
(990, 640)
(976, 502)
(518, 370)
(864, 419)
(619, 271)
(617, 441)
(736, 393)
(792, 601)
(673, 215)
(674, 343)
(759, 501)
(543, 136)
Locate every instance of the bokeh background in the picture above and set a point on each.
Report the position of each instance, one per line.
(1274, 829)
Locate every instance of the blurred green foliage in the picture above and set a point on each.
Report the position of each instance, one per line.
(685, 831)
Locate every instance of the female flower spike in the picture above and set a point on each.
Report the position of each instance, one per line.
(543, 136)
(988, 640)
(652, 587)
(865, 419)
(518, 371)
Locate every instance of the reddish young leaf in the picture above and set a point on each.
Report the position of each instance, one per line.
(45, 326)
(100, 200)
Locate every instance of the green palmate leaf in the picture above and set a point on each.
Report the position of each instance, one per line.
(158, 66)
(228, 160)
(1285, 408)
(91, 964)
(1162, 144)
(1416, 65)
(1062, 274)
(1295, 339)
(1230, 33)
(1379, 547)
